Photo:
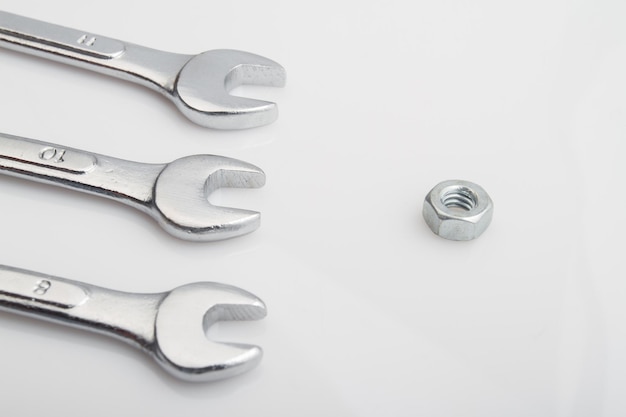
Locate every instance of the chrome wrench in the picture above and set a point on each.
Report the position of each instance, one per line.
(175, 194)
(169, 326)
(197, 84)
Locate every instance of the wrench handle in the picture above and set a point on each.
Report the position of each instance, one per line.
(129, 182)
(127, 316)
(31, 289)
(53, 38)
(150, 67)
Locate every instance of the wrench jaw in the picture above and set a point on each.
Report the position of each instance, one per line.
(183, 317)
(203, 86)
(181, 194)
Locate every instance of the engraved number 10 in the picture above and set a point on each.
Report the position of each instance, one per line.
(52, 154)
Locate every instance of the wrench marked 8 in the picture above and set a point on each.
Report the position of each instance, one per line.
(169, 326)
(42, 287)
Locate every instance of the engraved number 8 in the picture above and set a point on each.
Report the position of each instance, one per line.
(42, 287)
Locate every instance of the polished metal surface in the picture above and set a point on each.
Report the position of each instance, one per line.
(175, 194)
(458, 210)
(197, 84)
(170, 326)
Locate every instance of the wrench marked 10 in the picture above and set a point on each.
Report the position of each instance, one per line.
(15, 152)
(52, 154)
(175, 194)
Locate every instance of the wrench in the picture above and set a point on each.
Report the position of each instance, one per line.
(175, 194)
(170, 326)
(197, 84)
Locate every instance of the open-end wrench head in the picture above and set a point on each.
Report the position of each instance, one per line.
(181, 194)
(183, 317)
(204, 83)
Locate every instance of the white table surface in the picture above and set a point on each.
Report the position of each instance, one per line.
(370, 313)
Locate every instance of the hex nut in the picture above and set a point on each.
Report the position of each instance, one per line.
(458, 210)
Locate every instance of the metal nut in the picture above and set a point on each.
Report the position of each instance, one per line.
(458, 210)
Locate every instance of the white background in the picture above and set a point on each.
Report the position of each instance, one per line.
(369, 312)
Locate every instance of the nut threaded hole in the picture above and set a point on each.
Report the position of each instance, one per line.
(459, 198)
